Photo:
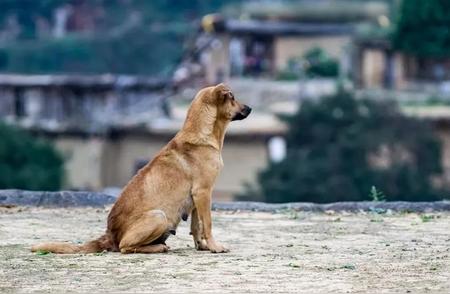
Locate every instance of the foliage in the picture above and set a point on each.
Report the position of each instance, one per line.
(376, 195)
(135, 37)
(427, 218)
(133, 53)
(108, 14)
(42, 252)
(26, 12)
(287, 75)
(319, 63)
(422, 28)
(340, 147)
(69, 54)
(28, 163)
(315, 63)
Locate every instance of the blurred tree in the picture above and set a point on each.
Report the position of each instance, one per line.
(131, 53)
(138, 52)
(340, 147)
(28, 163)
(26, 13)
(133, 36)
(423, 28)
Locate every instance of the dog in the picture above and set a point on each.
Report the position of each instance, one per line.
(177, 183)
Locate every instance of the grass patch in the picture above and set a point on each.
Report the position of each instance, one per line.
(377, 195)
(294, 265)
(428, 217)
(100, 253)
(348, 266)
(43, 252)
(376, 220)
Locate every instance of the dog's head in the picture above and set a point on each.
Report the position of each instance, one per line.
(211, 111)
(228, 108)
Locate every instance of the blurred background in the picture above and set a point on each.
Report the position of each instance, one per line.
(351, 98)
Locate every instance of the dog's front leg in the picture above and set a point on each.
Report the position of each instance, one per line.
(202, 202)
(197, 232)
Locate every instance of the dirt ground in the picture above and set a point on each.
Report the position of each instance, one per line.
(280, 252)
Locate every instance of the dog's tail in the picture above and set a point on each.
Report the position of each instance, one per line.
(97, 245)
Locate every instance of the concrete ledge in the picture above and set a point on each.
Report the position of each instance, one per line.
(337, 206)
(54, 199)
(84, 198)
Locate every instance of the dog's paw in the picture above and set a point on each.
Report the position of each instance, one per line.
(201, 245)
(217, 248)
(165, 248)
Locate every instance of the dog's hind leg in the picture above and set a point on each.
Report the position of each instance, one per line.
(158, 248)
(144, 231)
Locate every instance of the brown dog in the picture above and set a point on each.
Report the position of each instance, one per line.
(176, 183)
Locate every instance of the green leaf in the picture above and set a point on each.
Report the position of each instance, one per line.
(42, 252)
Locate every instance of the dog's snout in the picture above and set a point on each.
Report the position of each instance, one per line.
(247, 109)
(243, 113)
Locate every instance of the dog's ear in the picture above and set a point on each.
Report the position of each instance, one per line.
(221, 85)
(222, 92)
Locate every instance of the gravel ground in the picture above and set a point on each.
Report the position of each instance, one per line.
(298, 252)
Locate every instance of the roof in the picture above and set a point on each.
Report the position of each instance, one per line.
(318, 11)
(286, 28)
(104, 81)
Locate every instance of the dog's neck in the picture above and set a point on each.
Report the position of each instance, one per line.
(218, 133)
(203, 128)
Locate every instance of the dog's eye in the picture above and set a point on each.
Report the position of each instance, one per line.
(227, 96)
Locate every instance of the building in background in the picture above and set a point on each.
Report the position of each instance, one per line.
(269, 35)
(107, 127)
(377, 65)
(73, 103)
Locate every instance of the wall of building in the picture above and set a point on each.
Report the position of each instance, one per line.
(242, 161)
(82, 103)
(83, 161)
(121, 157)
(215, 61)
(286, 47)
(373, 68)
(96, 163)
(399, 71)
(444, 135)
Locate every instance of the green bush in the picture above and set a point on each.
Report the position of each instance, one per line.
(315, 63)
(320, 64)
(28, 163)
(340, 147)
(287, 75)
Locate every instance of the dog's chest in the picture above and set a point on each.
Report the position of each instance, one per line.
(216, 164)
(186, 208)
